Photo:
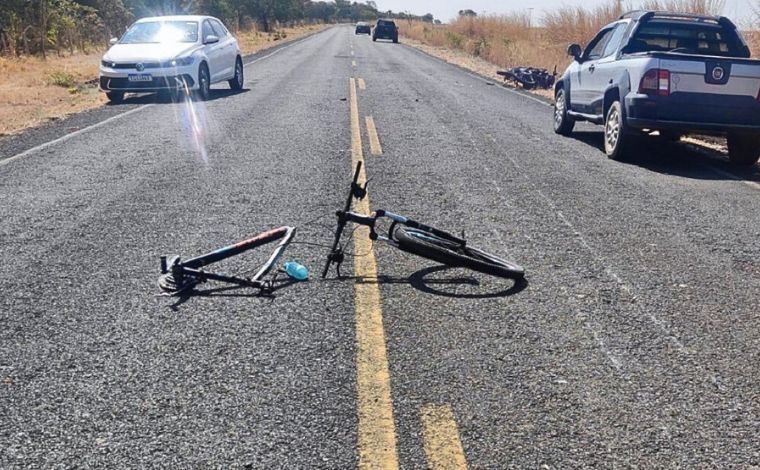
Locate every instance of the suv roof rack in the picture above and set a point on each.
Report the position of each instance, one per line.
(643, 15)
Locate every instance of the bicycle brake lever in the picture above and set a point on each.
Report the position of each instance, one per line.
(358, 191)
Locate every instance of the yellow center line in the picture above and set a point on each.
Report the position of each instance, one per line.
(374, 140)
(362, 84)
(442, 445)
(377, 430)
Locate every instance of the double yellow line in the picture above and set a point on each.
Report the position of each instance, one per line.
(377, 430)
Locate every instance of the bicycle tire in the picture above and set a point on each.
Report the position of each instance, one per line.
(427, 245)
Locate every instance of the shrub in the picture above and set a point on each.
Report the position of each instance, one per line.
(63, 79)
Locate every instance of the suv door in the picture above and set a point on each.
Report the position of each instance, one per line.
(582, 91)
(606, 68)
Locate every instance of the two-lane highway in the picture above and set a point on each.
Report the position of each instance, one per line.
(634, 343)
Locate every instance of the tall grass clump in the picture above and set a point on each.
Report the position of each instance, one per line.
(567, 25)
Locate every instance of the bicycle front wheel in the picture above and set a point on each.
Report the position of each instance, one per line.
(427, 245)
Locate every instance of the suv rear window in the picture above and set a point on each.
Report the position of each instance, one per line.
(688, 37)
(385, 23)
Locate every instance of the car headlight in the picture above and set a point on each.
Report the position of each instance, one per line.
(179, 62)
(108, 63)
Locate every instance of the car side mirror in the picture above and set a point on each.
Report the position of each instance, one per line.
(575, 51)
(113, 41)
(211, 39)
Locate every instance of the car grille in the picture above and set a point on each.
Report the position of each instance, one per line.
(107, 83)
(131, 65)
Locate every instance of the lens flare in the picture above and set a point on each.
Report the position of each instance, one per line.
(193, 117)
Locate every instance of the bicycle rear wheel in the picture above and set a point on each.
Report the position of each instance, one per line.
(427, 245)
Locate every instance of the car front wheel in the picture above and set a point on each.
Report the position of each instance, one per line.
(204, 83)
(743, 150)
(236, 83)
(115, 96)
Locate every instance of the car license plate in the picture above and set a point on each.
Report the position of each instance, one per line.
(140, 77)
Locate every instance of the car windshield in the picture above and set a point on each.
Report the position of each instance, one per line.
(694, 38)
(155, 32)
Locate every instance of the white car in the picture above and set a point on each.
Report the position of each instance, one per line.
(173, 53)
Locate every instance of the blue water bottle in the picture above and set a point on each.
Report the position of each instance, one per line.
(297, 271)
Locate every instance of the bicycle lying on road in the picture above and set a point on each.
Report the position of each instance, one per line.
(418, 239)
(178, 276)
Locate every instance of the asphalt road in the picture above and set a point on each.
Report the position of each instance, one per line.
(634, 343)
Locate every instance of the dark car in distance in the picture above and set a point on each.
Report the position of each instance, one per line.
(363, 28)
(385, 29)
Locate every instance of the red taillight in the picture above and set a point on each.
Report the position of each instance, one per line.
(655, 82)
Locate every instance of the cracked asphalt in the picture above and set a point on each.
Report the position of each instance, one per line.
(634, 343)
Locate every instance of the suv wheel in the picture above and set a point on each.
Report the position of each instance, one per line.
(563, 124)
(743, 149)
(617, 139)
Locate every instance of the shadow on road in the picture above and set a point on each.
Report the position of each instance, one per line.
(436, 281)
(166, 98)
(447, 282)
(676, 158)
(231, 291)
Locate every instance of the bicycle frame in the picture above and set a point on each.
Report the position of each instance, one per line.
(357, 191)
(177, 276)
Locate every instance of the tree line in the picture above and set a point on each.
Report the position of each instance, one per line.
(30, 27)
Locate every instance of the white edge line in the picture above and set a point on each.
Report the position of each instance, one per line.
(479, 77)
(297, 41)
(515, 92)
(68, 136)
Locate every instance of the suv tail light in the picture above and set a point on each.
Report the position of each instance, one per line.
(655, 82)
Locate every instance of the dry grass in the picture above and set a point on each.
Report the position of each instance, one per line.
(34, 90)
(502, 40)
(753, 38)
(512, 40)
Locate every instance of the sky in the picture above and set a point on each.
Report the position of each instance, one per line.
(738, 10)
